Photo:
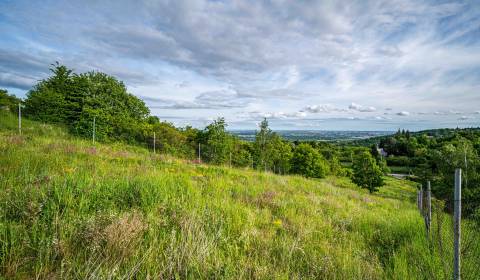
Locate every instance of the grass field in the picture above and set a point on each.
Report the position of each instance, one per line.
(70, 210)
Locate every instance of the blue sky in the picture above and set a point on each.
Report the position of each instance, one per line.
(341, 65)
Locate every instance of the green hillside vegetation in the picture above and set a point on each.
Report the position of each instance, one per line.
(209, 205)
(433, 156)
(71, 210)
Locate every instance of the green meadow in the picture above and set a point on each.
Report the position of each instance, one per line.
(73, 210)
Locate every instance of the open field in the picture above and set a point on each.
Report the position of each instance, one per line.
(73, 210)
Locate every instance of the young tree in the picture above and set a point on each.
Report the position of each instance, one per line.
(308, 162)
(263, 147)
(366, 173)
(218, 143)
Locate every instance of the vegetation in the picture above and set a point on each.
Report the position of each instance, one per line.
(366, 173)
(433, 156)
(114, 209)
(78, 100)
(8, 102)
(308, 161)
(70, 210)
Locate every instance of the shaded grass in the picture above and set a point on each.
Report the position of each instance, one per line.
(70, 210)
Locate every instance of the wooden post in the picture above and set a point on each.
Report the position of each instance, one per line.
(93, 134)
(230, 162)
(154, 142)
(429, 207)
(19, 118)
(457, 215)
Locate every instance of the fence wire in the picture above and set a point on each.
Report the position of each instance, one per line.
(440, 232)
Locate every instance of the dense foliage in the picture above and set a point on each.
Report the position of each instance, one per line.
(8, 101)
(309, 162)
(434, 156)
(95, 102)
(366, 173)
(77, 99)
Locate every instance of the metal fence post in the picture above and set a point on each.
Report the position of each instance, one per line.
(199, 157)
(154, 140)
(93, 131)
(429, 206)
(421, 200)
(418, 199)
(457, 214)
(19, 118)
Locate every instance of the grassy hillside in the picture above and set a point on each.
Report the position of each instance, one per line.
(71, 210)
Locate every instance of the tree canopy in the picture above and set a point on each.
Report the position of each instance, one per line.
(76, 99)
(366, 173)
(8, 101)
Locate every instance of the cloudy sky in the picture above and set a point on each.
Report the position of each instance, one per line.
(342, 65)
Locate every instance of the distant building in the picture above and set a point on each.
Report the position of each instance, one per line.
(382, 152)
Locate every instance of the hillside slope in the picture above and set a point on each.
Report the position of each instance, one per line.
(71, 210)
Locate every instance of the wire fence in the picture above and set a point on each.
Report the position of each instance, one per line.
(440, 231)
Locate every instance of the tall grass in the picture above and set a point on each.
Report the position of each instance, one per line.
(71, 210)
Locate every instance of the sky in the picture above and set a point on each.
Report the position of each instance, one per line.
(314, 65)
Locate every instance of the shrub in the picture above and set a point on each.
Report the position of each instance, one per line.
(308, 162)
(366, 173)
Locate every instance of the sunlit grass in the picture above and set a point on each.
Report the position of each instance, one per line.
(71, 210)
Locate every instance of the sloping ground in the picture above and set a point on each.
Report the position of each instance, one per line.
(70, 210)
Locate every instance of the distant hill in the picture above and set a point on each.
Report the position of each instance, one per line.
(437, 133)
(315, 135)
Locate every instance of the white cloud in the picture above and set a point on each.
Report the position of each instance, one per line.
(361, 108)
(403, 113)
(273, 55)
(323, 108)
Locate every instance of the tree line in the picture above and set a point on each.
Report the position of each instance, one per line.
(75, 100)
(434, 155)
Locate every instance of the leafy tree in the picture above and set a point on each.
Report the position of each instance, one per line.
(308, 162)
(281, 154)
(242, 155)
(9, 101)
(218, 143)
(168, 139)
(263, 147)
(46, 101)
(76, 99)
(366, 173)
(457, 154)
(374, 151)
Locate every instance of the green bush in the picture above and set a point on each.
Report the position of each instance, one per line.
(366, 173)
(308, 162)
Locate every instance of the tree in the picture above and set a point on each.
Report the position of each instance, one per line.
(457, 154)
(218, 143)
(241, 155)
(308, 162)
(366, 173)
(46, 101)
(263, 147)
(76, 99)
(281, 154)
(9, 101)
